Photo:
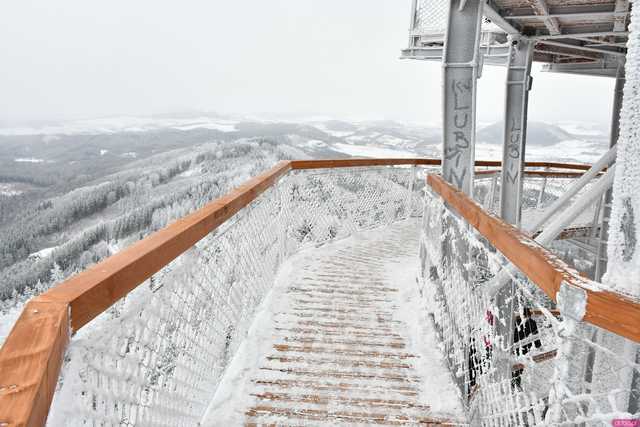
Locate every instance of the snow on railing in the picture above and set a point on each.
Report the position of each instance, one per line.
(515, 358)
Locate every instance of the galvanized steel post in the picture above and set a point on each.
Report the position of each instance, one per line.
(461, 69)
(515, 128)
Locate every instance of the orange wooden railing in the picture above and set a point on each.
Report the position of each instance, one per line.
(606, 309)
(31, 357)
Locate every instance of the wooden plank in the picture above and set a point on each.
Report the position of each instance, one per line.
(606, 309)
(96, 289)
(487, 172)
(554, 174)
(548, 174)
(577, 166)
(538, 358)
(363, 162)
(348, 163)
(30, 362)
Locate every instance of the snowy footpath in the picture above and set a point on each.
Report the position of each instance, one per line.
(341, 340)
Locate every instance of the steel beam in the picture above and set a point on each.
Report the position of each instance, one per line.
(585, 48)
(495, 55)
(515, 129)
(551, 23)
(569, 15)
(588, 7)
(460, 68)
(492, 14)
(600, 68)
(577, 33)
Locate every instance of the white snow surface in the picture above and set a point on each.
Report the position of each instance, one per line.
(623, 269)
(237, 390)
(574, 151)
(370, 151)
(42, 253)
(8, 190)
(582, 128)
(28, 160)
(7, 320)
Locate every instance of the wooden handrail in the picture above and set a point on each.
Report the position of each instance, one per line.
(548, 174)
(344, 163)
(32, 354)
(347, 163)
(30, 362)
(606, 309)
(557, 165)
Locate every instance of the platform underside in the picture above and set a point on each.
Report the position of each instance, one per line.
(587, 37)
(341, 340)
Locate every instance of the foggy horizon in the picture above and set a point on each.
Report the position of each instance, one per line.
(86, 60)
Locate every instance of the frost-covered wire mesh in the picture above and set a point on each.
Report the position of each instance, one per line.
(157, 356)
(430, 17)
(538, 194)
(430, 22)
(516, 359)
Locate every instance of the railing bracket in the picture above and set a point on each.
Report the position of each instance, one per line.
(572, 301)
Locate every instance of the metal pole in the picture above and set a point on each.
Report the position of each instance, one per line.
(460, 75)
(460, 67)
(543, 187)
(511, 180)
(412, 24)
(515, 128)
(493, 190)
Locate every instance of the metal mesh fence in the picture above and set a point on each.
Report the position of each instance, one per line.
(430, 17)
(430, 21)
(538, 194)
(157, 356)
(516, 357)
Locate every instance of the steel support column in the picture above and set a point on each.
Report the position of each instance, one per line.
(515, 129)
(461, 67)
(460, 74)
(511, 179)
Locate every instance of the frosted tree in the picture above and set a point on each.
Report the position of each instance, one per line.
(57, 275)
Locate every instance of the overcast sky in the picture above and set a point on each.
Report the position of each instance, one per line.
(71, 59)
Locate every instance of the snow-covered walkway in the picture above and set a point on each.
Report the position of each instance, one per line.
(341, 340)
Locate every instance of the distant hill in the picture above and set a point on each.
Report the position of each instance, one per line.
(538, 133)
